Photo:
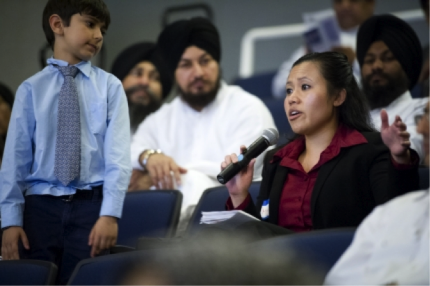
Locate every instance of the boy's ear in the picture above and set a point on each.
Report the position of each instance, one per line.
(340, 98)
(56, 24)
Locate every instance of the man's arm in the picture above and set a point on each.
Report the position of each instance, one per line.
(352, 263)
(16, 165)
(117, 169)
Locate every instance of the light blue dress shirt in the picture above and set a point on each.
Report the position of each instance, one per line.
(28, 161)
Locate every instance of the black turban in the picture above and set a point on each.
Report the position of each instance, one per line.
(137, 53)
(178, 36)
(400, 39)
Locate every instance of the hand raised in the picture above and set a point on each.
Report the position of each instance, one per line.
(238, 186)
(395, 137)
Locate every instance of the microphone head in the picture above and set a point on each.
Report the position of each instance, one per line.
(271, 135)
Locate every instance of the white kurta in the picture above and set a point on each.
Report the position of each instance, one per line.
(199, 141)
(407, 108)
(347, 39)
(390, 247)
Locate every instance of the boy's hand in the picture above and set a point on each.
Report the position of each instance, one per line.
(11, 236)
(103, 235)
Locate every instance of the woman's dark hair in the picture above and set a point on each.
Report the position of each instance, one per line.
(334, 67)
(67, 8)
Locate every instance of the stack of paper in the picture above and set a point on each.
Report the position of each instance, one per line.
(215, 217)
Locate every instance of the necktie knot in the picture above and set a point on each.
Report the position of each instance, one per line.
(68, 71)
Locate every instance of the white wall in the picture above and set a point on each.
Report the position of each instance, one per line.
(21, 34)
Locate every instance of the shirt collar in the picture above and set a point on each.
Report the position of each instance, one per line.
(406, 96)
(84, 66)
(343, 138)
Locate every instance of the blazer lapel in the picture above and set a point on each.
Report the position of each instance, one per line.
(323, 173)
(275, 193)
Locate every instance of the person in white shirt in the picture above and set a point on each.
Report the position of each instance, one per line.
(391, 246)
(208, 119)
(349, 15)
(390, 57)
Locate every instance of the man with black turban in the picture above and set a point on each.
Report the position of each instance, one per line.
(145, 79)
(390, 57)
(190, 136)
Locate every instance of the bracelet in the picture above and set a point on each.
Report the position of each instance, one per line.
(148, 153)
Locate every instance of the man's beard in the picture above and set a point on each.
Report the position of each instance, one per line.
(139, 111)
(382, 95)
(200, 100)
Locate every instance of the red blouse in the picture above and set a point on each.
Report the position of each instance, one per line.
(295, 203)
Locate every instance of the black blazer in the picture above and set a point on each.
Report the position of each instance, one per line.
(347, 188)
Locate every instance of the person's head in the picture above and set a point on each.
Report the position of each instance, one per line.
(425, 6)
(390, 58)
(143, 73)
(6, 103)
(423, 128)
(192, 50)
(351, 13)
(218, 258)
(75, 28)
(321, 93)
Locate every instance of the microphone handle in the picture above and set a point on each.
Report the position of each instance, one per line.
(230, 171)
(255, 149)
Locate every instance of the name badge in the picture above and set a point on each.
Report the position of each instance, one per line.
(265, 210)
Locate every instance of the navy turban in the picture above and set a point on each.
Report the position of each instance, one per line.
(400, 39)
(178, 36)
(137, 53)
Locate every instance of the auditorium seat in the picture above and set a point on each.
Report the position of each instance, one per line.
(321, 247)
(424, 177)
(27, 272)
(149, 214)
(214, 199)
(276, 108)
(258, 84)
(107, 269)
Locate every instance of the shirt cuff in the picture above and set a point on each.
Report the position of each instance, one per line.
(229, 204)
(111, 207)
(415, 159)
(12, 215)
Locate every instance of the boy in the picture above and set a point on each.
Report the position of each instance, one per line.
(67, 150)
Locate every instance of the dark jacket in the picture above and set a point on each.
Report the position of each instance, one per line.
(347, 188)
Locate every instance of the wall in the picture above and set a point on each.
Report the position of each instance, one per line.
(21, 35)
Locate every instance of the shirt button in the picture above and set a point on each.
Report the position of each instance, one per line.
(306, 178)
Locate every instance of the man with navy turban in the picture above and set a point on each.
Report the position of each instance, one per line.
(145, 79)
(390, 58)
(182, 144)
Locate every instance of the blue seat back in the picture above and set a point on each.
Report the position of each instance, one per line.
(276, 108)
(27, 272)
(214, 199)
(150, 214)
(107, 269)
(259, 84)
(322, 247)
(424, 177)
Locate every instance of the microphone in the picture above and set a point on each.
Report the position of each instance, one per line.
(269, 137)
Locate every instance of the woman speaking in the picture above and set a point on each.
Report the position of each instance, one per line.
(337, 168)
